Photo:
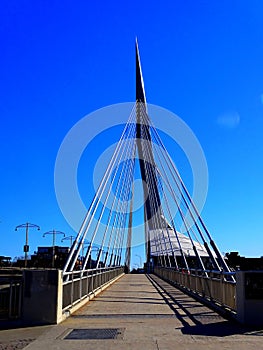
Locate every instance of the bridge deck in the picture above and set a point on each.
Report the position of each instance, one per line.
(149, 314)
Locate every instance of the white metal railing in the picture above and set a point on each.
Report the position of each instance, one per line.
(215, 286)
(77, 285)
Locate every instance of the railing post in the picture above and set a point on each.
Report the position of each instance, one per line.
(20, 299)
(222, 284)
(87, 283)
(211, 287)
(80, 287)
(72, 289)
(94, 279)
(10, 299)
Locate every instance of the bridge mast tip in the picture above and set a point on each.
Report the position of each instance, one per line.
(140, 92)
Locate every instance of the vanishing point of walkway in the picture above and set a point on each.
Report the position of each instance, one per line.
(147, 313)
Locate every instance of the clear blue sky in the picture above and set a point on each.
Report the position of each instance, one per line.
(61, 60)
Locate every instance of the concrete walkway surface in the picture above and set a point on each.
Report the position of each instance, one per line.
(144, 312)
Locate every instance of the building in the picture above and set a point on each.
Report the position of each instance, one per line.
(49, 257)
(237, 262)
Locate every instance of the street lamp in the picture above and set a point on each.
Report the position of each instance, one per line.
(54, 233)
(26, 246)
(68, 238)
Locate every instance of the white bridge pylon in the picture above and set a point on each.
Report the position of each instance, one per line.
(178, 240)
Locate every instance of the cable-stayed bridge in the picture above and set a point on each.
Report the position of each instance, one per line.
(109, 219)
(179, 248)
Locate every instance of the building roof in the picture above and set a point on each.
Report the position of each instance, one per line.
(164, 241)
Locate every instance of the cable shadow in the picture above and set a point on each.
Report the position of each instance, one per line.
(206, 322)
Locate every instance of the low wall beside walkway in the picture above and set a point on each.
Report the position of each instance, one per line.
(44, 291)
(249, 297)
(42, 296)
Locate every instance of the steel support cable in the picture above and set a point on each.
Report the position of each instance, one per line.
(163, 229)
(157, 223)
(106, 229)
(187, 226)
(182, 215)
(121, 236)
(111, 212)
(148, 211)
(187, 230)
(115, 222)
(171, 219)
(121, 220)
(149, 187)
(183, 205)
(123, 211)
(118, 211)
(129, 235)
(112, 229)
(116, 219)
(154, 241)
(167, 230)
(176, 235)
(145, 120)
(125, 203)
(119, 161)
(109, 218)
(103, 208)
(71, 260)
(218, 254)
(149, 177)
(143, 133)
(101, 213)
(148, 238)
(169, 164)
(168, 156)
(94, 209)
(161, 225)
(171, 191)
(125, 215)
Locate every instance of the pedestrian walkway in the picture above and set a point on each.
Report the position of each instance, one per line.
(144, 312)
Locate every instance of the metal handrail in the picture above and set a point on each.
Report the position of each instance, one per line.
(217, 290)
(80, 284)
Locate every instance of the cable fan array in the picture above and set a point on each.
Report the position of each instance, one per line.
(194, 248)
(106, 218)
(175, 234)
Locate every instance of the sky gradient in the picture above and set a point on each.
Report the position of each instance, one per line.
(62, 60)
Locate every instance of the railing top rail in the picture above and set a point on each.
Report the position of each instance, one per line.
(100, 269)
(232, 273)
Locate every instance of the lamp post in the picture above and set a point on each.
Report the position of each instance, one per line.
(27, 225)
(68, 238)
(54, 233)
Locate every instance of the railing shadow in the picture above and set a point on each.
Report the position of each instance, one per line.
(198, 319)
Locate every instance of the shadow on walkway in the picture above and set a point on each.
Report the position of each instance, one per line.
(196, 318)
